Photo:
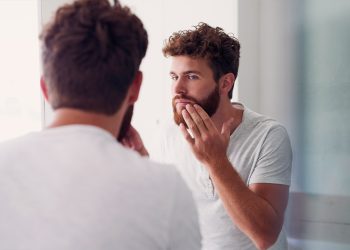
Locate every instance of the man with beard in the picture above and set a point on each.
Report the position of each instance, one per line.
(238, 162)
(73, 186)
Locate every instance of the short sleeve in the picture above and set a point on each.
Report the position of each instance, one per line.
(275, 159)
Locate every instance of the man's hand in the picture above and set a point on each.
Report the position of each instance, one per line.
(208, 144)
(256, 210)
(133, 140)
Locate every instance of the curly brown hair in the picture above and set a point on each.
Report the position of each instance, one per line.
(220, 49)
(91, 52)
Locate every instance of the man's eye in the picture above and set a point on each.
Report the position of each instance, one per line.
(192, 77)
(173, 77)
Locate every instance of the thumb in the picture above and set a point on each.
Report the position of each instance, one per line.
(227, 127)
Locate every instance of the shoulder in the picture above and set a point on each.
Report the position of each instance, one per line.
(264, 124)
(165, 176)
(264, 133)
(17, 144)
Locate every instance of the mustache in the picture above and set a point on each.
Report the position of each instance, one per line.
(184, 97)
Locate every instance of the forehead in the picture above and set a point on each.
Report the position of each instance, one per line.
(182, 64)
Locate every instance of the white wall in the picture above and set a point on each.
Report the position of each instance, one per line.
(268, 64)
(249, 37)
(19, 69)
(46, 11)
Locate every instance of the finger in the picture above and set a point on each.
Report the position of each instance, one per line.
(205, 117)
(132, 131)
(227, 127)
(126, 143)
(137, 144)
(190, 124)
(197, 119)
(185, 133)
(134, 138)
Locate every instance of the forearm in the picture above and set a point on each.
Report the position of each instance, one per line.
(253, 209)
(251, 213)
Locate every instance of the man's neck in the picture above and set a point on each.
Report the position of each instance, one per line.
(226, 111)
(68, 116)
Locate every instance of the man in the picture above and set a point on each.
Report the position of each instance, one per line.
(73, 186)
(238, 162)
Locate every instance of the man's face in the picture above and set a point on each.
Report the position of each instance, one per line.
(193, 82)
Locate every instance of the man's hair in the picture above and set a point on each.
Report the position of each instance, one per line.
(91, 52)
(221, 50)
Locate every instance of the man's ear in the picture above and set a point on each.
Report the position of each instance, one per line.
(227, 82)
(134, 89)
(43, 87)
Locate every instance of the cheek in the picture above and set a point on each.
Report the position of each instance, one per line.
(204, 90)
(172, 88)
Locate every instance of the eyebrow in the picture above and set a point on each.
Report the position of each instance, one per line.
(187, 72)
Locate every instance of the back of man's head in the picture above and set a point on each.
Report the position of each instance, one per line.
(91, 52)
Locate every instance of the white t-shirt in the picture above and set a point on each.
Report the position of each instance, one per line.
(260, 151)
(75, 187)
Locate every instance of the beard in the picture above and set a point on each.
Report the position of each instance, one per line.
(209, 104)
(126, 123)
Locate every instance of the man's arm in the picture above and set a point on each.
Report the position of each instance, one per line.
(257, 210)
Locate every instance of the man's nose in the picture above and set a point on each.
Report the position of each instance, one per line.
(179, 86)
